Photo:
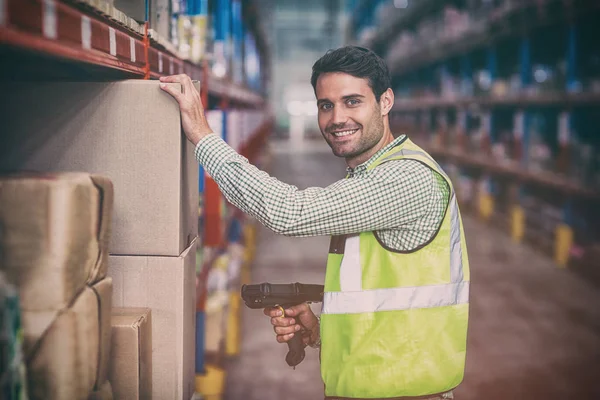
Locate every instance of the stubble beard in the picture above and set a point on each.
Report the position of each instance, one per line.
(367, 141)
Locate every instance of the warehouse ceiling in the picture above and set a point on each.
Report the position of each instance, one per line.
(298, 33)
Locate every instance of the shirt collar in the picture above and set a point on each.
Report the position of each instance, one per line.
(363, 167)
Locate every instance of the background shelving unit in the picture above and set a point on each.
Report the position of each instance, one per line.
(92, 40)
(505, 95)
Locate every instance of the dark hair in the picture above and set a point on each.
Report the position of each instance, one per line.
(355, 61)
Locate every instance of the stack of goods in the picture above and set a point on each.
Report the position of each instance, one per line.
(131, 363)
(54, 246)
(142, 150)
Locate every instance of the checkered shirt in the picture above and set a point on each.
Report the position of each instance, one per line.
(402, 200)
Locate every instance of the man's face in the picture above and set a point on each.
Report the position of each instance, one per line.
(349, 115)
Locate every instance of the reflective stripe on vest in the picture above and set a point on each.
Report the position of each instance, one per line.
(392, 299)
(351, 299)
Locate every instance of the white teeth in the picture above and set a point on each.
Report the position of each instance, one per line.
(344, 133)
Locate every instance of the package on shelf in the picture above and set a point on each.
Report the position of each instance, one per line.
(162, 18)
(107, 8)
(140, 10)
(386, 12)
(455, 22)
(540, 156)
(216, 121)
(69, 358)
(198, 37)
(585, 165)
(234, 130)
(401, 46)
(166, 285)
(56, 230)
(367, 34)
(103, 6)
(105, 392)
(223, 272)
(131, 353)
(184, 36)
(246, 129)
(215, 321)
(163, 41)
(130, 132)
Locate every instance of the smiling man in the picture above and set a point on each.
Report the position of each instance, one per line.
(395, 309)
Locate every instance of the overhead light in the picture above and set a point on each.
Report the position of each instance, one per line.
(295, 108)
(540, 75)
(219, 70)
(400, 3)
(310, 108)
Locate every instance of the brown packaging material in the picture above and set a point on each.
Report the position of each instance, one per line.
(130, 132)
(130, 371)
(64, 363)
(54, 239)
(136, 9)
(167, 286)
(103, 290)
(104, 393)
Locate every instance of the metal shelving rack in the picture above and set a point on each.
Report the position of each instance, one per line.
(71, 39)
(438, 123)
(87, 40)
(82, 34)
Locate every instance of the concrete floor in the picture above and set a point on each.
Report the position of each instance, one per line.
(534, 330)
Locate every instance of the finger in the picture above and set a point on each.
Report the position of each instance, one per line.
(173, 78)
(285, 338)
(173, 91)
(272, 312)
(188, 86)
(278, 321)
(284, 330)
(296, 310)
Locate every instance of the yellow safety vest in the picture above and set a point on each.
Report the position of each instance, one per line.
(394, 324)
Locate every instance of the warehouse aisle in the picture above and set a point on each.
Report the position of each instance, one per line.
(534, 330)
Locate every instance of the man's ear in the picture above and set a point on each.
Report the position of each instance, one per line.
(386, 101)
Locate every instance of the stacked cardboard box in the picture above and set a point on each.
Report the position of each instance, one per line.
(166, 285)
(130, 132)
(54, 246)
(131, 354)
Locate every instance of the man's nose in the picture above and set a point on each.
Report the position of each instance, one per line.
(338, 116)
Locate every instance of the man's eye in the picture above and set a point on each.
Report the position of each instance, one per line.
(353, 102)
(326, 106)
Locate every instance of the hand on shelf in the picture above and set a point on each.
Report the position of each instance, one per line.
(193, 119)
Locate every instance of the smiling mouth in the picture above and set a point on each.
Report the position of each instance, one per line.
(344, 133)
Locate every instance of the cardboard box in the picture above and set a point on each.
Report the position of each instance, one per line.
(167, 286)
(103, 291)
(128, 131)
(136, 9)
(64, 363)
(54, 239)
(131, 354)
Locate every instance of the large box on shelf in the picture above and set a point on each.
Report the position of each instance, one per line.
(55, 230)
(129, 131)
(131, 354)
(67, 360)
(166, 285)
